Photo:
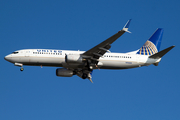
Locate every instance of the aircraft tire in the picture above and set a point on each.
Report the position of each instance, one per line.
(21, 69)
(84, 76)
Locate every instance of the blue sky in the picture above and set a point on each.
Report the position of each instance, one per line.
(37, 93)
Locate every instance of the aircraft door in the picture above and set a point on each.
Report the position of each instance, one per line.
(27, 53)
(139, 59)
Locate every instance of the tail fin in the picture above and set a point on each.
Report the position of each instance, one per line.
(153, 44)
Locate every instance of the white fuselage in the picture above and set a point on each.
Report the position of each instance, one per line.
(56, 58)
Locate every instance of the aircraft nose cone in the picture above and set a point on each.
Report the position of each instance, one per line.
(7, 58)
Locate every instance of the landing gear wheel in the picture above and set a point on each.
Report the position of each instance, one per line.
(84, 76)
(21, 69)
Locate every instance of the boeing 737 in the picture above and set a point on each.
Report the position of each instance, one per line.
(82, 63)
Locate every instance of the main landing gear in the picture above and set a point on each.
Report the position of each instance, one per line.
(84, 76)
(88, 65)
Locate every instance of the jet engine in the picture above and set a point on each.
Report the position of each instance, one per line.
(73, 58)
(62, 72)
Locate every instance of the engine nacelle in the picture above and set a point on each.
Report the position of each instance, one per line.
(62, 72)
(73, 58)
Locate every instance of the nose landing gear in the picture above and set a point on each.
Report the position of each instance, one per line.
(21, 69)
(20, 65)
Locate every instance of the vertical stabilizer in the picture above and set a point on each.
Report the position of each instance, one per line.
(153, 44)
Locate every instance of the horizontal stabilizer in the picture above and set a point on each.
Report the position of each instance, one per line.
(161, 53)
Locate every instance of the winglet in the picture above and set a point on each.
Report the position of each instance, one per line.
(125, 28)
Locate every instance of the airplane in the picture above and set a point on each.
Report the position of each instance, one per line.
(82, 63)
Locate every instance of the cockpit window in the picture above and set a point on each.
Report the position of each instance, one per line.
(15, 52)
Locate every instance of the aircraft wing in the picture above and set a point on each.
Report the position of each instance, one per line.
(100, 49)
(92, 55)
